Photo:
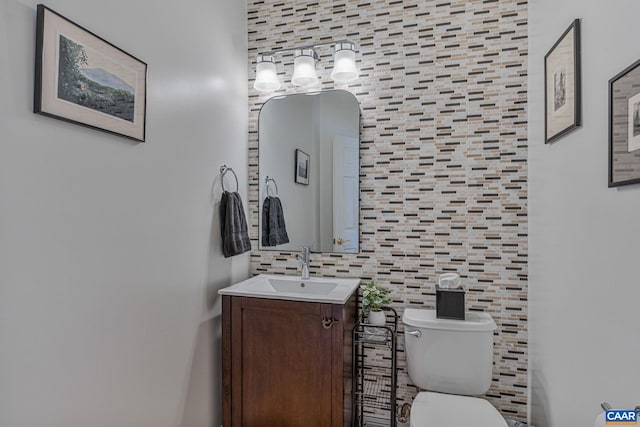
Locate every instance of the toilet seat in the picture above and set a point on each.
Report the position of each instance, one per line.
(448, 410)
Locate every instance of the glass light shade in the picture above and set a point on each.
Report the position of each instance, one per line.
(344, 63)
(266, 75)
(304, 68)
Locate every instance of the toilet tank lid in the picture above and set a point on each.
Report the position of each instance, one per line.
(474, 321)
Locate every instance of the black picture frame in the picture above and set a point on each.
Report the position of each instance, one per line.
(302, 167)
(624, 127)
(562, 85)
(83, 79)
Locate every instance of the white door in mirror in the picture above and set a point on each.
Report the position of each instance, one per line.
(346, 160)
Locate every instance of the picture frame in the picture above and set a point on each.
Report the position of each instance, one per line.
(302, 164)
(562, 85)
(83, 79)
(624, 127)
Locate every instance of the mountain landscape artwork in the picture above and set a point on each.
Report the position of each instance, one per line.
(83, 81)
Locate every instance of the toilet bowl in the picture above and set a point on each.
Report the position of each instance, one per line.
(451, 360)
(449, 410)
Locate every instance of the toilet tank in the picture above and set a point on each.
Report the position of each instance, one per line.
(449, 356)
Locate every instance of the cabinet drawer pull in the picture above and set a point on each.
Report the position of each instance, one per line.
(328, 323)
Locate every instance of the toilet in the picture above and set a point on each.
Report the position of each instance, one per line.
(451, 360)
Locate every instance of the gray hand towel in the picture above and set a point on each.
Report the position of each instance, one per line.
(274, 230)
(233, 225)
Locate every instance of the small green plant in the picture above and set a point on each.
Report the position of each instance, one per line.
(374, 297)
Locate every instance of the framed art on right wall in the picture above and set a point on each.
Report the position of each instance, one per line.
(562, 97)
(624, 127)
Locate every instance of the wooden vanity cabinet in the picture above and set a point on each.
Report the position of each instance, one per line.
(283, 365)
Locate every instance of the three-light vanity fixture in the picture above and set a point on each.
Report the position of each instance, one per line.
(305, 59)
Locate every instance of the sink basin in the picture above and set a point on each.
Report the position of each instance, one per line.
(304, 287)
(315, 289)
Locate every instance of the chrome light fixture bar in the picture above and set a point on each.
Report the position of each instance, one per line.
(305, 60)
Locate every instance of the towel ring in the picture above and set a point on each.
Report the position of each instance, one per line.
(223, 170)
(266, 183)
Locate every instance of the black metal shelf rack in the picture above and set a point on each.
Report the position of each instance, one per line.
(374, 373)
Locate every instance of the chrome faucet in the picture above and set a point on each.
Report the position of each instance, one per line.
(303, 257)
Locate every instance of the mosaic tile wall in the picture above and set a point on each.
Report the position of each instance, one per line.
(443, 155)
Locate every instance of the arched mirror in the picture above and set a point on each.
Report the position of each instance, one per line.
(309, 166)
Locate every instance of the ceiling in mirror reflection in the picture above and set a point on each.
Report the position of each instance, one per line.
(309, 148)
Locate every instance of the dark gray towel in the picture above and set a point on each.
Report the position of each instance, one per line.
(274, 231)
(233, 225)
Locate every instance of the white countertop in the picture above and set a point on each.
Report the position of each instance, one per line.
(315, 289)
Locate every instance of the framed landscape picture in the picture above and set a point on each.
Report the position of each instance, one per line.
(302, 167)
(562, 98)
(624, 127)
(83, 79)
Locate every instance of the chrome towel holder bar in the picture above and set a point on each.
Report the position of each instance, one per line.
(223, 170)
(267, 180)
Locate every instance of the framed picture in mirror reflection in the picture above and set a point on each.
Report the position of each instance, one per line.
(302, 167)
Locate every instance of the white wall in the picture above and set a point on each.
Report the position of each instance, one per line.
(109, 251)
(584, 237)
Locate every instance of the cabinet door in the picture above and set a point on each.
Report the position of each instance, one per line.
(285, 364)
